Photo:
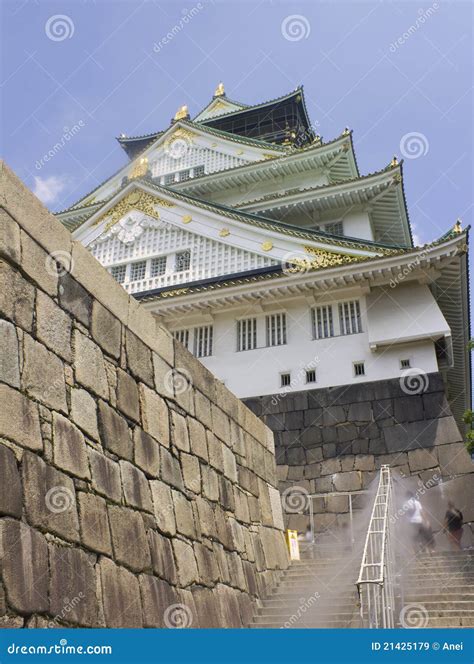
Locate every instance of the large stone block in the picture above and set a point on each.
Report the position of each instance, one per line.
(24, 556)
(426, 433)
(19, 419)
(171, 469)
(43, 375)
(9, 355)
(69, 448)
(84, 412)
(179, 432)
(74, 298)
(206, 518)
(229, 606)
(129, 538)
(127, 395)
(191, 472)
(53, 326)
(9, 238)
(121, 596)
(197, 438)
(106, 330)
(348, 481)
(17, 297)
(72, 588)
(207, 565)
(184, 515)
(94, 522)
(210, 483)
(408, 409)
(10, 484)
(38, 264)
(155, 417)
(105, 475)
(330, 466)
(162, 559)
(163, 507)
(360, 412)
(50, 498)
(185, 562)
(207, 608)
(454, 460)
(114, 432)
(229, 463)
(89, 365)
(202, 406)
(139, 359)
(422, 459)
(135, 487)
(147, 452)
(161, 605)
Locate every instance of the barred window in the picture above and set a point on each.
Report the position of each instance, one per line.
(247, 334)
(137, 271)
(182, 336)
(336, 228)
(359, 369)
(405, 364)
(118, 273)
(323, 325)
(169, 178)
(158, 266)
(285, 379)
(183, 260)
(349, 317)
(184, 175)
(311, 376)
(203, 337)
(276, 329)
(198, 171)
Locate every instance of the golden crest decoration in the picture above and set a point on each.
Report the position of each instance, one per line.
(135, 200)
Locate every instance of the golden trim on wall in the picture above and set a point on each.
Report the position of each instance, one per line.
(322, 258)
(173, 293)
(187, 218)
(135, 200)
(267, 246)
(224, 232)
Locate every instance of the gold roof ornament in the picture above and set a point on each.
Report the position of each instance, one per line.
(140, 168)
(220, 92)
(267, 246)
(394, 162)
(346, 131)
(187, 218)
(182, 113)
(457, 227)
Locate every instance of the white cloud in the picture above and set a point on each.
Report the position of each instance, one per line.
(48, 189)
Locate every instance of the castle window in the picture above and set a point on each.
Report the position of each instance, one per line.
(203, 341)
(323, 326)
(158, 266)
(311, 376)
(247, 334)
(169, 178)
(349, 317)
(182, 336)
(359, 369)
(336, 228)
(184, 175)
(137, 271)
(285, 380)
(183, 260)
(276, 329)
(198, 171)
(118, 273)
(404, 364)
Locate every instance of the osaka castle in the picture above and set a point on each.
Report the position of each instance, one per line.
(294, 279)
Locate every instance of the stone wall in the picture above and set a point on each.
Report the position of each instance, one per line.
(335, 439)
(135, 489)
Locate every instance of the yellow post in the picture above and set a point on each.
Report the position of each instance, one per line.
(293, 544)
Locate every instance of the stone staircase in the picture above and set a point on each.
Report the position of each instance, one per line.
(439, 590)
(320, 592)
(314, 592)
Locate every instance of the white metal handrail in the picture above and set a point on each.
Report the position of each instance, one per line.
(375, 584)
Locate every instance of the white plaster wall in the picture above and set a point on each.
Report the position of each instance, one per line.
(357, 224)
(257, 372)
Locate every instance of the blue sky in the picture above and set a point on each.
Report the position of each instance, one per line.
(398, 73)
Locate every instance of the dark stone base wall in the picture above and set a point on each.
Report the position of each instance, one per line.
(335, 439)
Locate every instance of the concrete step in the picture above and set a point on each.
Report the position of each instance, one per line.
(460, 621)
(316, 609)
(303, 623)
(426, 598)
